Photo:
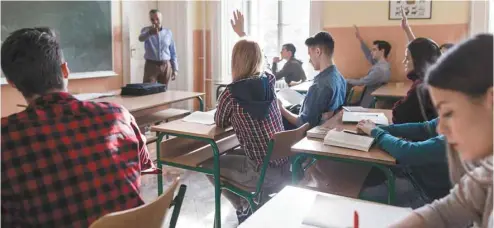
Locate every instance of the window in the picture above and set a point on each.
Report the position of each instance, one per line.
(272, 23)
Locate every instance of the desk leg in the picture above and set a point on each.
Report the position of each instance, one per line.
(391, 182)
(158, 149)
(217, 184)
(201, 103)
(296, 160)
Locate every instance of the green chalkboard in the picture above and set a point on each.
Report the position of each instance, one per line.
(83, 27)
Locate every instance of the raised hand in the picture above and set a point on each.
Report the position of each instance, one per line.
(357, 32)
(404, 20)
(238, 23)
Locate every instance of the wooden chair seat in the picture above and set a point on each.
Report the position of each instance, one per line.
(165, 115)
(192, 152)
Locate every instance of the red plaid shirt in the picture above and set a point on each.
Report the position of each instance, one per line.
(253, 135)
(66, 162)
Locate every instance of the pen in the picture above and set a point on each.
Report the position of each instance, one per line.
(355, 219)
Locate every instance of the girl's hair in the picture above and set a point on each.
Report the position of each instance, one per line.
(424, 53)
(246, 59)
(466, 68)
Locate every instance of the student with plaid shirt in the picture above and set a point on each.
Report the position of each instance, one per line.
(65, 162)
(249, 105)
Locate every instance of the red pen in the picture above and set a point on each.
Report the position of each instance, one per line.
(355, 219)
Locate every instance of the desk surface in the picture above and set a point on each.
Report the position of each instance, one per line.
(316, 146)
(396, 90)
(138, 103)
(302, 87)
(291, 205)
(191, 129)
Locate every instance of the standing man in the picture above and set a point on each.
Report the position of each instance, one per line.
(161, 56)
(379, 73)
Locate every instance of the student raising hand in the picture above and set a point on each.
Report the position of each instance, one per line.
(405, 26)
(238, 23)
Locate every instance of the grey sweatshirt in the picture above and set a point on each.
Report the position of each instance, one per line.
(469, 201)
(379, 74)
(291, 71)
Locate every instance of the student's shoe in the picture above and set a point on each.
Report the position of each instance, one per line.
(243, 215)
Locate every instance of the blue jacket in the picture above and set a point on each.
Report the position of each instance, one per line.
(420, 151)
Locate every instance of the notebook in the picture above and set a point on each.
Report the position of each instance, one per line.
(90, 96)
(318, 132)
(354, 117)
(206, 118)
(337, 212)
(290, 97)
(348, 140)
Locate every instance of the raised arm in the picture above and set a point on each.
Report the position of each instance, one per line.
(363, 46)
(406, 27)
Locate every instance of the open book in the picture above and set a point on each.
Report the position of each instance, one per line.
(348, 140)
(206, 118)
(354, 117)
(290, 97)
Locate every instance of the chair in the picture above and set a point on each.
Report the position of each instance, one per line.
(278, 147)
(151, 215)
(349, 96)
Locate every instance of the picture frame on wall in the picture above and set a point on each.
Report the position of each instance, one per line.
(414, 9)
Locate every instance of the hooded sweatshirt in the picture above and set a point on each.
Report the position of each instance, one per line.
(250, 107)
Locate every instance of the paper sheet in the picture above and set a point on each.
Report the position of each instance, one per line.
(206, 118)
(90, 96)
(290, 97)
(354, 117)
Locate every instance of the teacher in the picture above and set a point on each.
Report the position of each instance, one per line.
(160, 53)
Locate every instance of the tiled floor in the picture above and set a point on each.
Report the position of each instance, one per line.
(198, 206)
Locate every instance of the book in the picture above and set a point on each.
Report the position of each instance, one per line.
(348, 140)
(290, 97)
(318, 132)
(206, 118)
(355, 117)
(339, 212)
(355, 109)
(91, 96)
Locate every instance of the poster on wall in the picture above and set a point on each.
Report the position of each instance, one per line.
(417, 9)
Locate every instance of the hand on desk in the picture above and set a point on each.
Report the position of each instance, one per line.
(366, 126)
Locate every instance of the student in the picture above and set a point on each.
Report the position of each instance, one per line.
(65, 162)
(460, 85)
(445, 47)
(419, 151)
(249, 105)
(292, 71)
(379, 73)
(328, 91)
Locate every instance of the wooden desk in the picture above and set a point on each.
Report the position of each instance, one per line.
(393, 90)
(314, 148)
(291, 205)
(302, 87)
(196, 131)
(145, 105)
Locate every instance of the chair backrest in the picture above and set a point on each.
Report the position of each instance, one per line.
(151, 215)
(349, 96)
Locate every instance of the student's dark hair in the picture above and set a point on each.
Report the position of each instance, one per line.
(466, 68)
(291, 48)
(323, 40)
(383, 45)
(31, 60)
(425, 52)
(446, 45)
(153, 11)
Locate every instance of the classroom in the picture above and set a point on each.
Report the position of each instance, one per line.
(247, 113)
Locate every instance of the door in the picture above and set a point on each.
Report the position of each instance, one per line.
(136, 15)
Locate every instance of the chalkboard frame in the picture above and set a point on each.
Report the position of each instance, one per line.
(93, 74)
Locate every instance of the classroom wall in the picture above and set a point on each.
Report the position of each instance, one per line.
(449, 23)
(10, 97)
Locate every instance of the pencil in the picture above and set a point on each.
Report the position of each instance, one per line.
(355, 219)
